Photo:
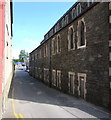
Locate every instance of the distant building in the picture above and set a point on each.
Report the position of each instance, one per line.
(6, 68)
(75, 55)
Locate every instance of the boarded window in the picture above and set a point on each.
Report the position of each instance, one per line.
(82, 85)
(54, 77)
(71, 86)
(46, 75)
(59, 79)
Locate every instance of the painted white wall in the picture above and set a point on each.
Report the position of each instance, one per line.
(8, 44)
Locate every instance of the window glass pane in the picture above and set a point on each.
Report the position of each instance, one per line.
(82, 39)
(58, 44)
(71, 39)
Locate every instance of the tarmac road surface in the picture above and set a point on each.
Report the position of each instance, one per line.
(29, 98)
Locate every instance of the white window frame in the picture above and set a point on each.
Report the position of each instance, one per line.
(69, 39)
(74, 10)
(66, 19)
(77, 9)
(78, 34)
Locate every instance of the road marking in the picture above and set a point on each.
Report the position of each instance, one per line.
(21, 116)
(13, 105)
(16, 116)
(13, 108)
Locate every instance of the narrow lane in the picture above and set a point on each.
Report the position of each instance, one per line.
(29, 98)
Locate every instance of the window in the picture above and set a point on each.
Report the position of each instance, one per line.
(66, 20)
(71, 38)
(39, 73)
(82, 39)
(46, 36)
(32, 57)
(90, 2)
(84, 6)
(78, 9)
(7, 29)
(58, 26)
(59, 79)
(51, 33)
(63, 22)
(36, 55)
(55, 28)
(46, 75)
(53, 46)
(39, 55)
(82, 85)
(54, 77)
(71, 86)
(81, 34)
(36, 72)
(74, 13)
(58, 44)
(7, 50)
(45, 51)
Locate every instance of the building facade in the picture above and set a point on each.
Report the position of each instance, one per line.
(6, 65)
(74, 56)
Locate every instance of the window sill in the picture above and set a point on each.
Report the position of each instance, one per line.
(80, 47)
(71, 49)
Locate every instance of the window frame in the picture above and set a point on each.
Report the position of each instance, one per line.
(40, 54)
(78, 7)
(45, 51)
(53, 46)
(54, 77)
(69, 38)
(46, 71)
(74, 13)
(69, 76)
(59, 81)
(85, 90)
(79, 34)
(58, 49)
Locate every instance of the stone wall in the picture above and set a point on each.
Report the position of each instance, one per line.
(91, 61)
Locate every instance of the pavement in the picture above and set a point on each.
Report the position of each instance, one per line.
(29, 98)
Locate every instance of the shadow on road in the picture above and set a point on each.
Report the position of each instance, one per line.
(31, 90)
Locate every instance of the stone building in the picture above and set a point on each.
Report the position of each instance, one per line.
(74, 56)
(6, 65)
